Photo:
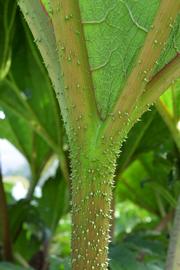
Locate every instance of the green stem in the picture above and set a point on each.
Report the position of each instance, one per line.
(156, 87)
(161, 82)
(91, 209)
(78, 90)
(4, 220)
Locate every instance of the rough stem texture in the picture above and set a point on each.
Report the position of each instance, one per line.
(92, 167)
(161, 82)
(91, 209)
(77, 91)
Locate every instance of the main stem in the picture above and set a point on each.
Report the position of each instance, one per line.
(91, 208)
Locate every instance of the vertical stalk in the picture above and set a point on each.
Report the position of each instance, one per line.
(91, 209)
(7, 247)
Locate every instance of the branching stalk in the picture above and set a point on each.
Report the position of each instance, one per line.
(161, 82)
(155, 88)
(77, 91)
(142, 72)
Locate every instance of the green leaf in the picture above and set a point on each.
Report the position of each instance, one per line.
(148, 183)
(32, 122)
(7, 132)
(26, 227)
(54, 201)
(115, 31)
(134, 143)
(35, 85)
(120, 255)
(9, 266)
(157, 134)
(129, 216)
(171, 101)
(42, 30)
(134, 186)
(60, 264)
(168, 107)
(7, 21)
(27, 91)
(29, 143)
(19, 213)
(139, 251)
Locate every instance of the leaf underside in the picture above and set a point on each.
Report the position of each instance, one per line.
(115, 32)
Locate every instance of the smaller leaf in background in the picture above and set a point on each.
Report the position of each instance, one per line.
(128, 216)
(146, 182)
(154, 171)
(7, 20)
(123, 258)
(26, 92)
(157, 135)
(171, 100)
(134, 186)
(28, 142)
(9, 266)
(61, 242)
(152, 243)
(32, 81)
(136, 135)
(9, 196)
(145, 136)
(54, 201)
(27, 230)
(169, 108)
(6, 132)
(140, 251)
(60, 264)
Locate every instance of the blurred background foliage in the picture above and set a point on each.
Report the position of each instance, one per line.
(36, 169)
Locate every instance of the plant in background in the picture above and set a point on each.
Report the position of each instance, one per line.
(108, 62)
